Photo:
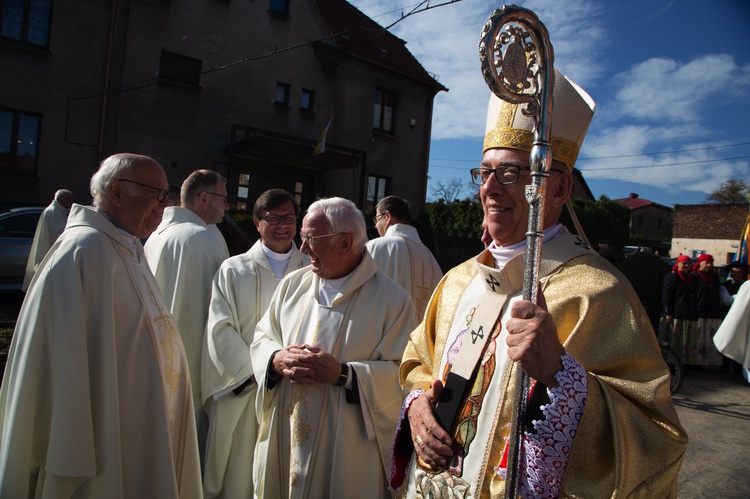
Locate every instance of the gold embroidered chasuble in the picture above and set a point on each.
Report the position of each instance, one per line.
(311, 442)
(629, 441)
(96, 397)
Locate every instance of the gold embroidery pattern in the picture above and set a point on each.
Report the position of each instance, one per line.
(298, 418)
(423, 293)
(504, 135)
(440, 486)
(167, 337)
(295, 468)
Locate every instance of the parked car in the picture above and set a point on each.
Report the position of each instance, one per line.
(17, 227)
(631, 250)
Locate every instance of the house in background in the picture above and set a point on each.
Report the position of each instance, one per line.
(650, 223)
(308, 95)
(715, 229)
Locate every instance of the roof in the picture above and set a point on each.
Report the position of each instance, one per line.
(636, 203)
(709, 221)
(367, 40)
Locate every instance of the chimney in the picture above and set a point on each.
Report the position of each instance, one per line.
(633, 195)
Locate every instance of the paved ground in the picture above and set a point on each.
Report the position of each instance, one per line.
(714, 408)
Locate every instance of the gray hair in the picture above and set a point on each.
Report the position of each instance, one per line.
(111, 169)
(343, 216)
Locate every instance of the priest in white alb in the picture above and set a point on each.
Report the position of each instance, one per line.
(184, 255)
(732, 338)
(51, 224)
(400, 253)
(326, 357)
(241, 292)
(95, 402)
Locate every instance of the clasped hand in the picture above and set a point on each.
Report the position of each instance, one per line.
(306, 364)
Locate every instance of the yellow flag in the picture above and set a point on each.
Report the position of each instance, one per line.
(320, 147)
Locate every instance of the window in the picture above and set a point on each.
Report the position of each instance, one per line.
(384, 115)
(377, 188)
(640, 220)
(19, 142)
(280, 7)
(282, 94)
(243, 189)
(179, 69)
(307, 100)
(26, 21)
(299, 188)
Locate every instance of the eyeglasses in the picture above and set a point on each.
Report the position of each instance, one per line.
(278, 220)
(217, 195)
(504, 175)
(160, 195)
(222, 196)
(377, 218)
(312, 239)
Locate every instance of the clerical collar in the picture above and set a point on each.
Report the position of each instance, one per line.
(503, 254)
(329, 288)
(278, 261)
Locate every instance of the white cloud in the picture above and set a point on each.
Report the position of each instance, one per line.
(662, 89)
(445, 40)
(668, 103)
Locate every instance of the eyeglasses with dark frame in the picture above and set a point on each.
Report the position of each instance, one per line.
(505, 175)
(278, 219)
(377, 218)
(312, 239)
(160, 195)
(224, 197)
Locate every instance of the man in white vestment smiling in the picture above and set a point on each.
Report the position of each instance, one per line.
(400, 253)
(96, 397)
(241, 292)
(326, 357)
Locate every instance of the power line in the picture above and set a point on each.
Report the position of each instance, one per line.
(665, 165)
(612, 168)
(621, 156)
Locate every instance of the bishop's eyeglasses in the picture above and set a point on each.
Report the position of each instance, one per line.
(504, 175)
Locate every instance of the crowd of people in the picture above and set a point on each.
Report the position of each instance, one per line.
(171, 369)
(695, 302)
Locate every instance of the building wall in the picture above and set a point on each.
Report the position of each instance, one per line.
(711, 228)
(723, 250)
(102, 67)
(651, 222)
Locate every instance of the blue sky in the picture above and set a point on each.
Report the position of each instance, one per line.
(671, 80)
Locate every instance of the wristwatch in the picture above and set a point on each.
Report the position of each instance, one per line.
(344, 374)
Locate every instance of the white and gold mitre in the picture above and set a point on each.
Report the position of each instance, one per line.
(572, 110)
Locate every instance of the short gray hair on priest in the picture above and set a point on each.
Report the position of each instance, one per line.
(111, 169)
(343, 216)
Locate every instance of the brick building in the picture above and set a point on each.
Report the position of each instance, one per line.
(708, 228)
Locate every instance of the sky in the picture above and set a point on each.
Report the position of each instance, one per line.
(671, 82)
